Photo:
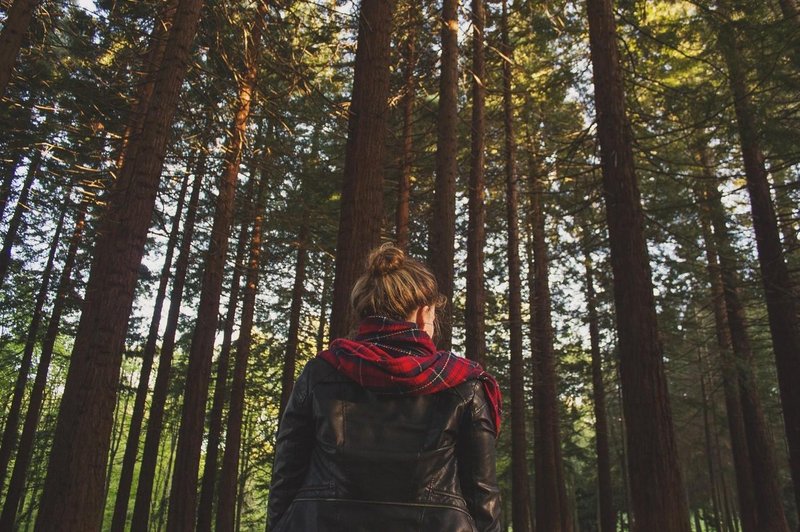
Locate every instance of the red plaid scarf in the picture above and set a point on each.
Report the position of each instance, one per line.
(395, 357)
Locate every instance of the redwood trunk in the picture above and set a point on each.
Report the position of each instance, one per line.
(12, 231)
(73, 491)
(226, 507)
(120, 515)
(769, 509)
(552, 508)
(607, 514)
(141, 509)
(15, 27)
(441, 250)
(475, 318)
(657, 492)
(183, 492)
(150, 64)
(9, 174)
(209, 483)
(26, 441)
(12, 417)
(730, 380)
(781, 300)
(290, 360)
(362, 187)
(409, 93)
(521, 516)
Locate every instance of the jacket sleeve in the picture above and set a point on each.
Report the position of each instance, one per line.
(295, 442)
(476, 463)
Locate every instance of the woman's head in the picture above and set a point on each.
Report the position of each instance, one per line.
(394, 286)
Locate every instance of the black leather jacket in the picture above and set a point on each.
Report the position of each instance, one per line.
(350, 460)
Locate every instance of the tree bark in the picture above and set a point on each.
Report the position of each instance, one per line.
(35, 401)
(183, 493)
(120, 516)
(9, 174)
(17, 22)
(781, 300)
(551, 499)
(290, 359)
(441, 247)
(658, 495)
(323, 309)
(730, 380)
(226, 507)
(12, 231)
(712, 474)
(475, 318)
(409, 94)
(209, 482)
(73, 490)
(10, 434)
(607, 515)
(141, 509)
(157, 45)
(362, 188)
(768, 507)
(521, 516)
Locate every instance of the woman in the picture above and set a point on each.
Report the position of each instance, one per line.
(382, 432)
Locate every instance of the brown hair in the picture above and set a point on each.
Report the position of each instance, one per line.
(394, 285)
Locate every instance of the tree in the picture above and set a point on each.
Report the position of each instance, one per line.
(362, 186)
(520, 504)
(233, 432)
(73, 491)
(441, 245)
(475, 319)
(183, 493)
(148, 353)
(784, 323)
(144, 488)
(15, 27)
(658, 496)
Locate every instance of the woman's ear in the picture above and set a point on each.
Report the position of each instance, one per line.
(425, 318)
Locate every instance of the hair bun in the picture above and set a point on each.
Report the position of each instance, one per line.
(385, 259)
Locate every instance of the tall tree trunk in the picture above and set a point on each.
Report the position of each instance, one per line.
(290, 359)
(120, 515)
(183, 494)
(73, 491)
(712, 474)
(16, 25)
(768, 507)
(607, 515)
(412, 12)
(730, 381)
(226, 507)
(551, 497)
(362, 187)
(658, 495)
(441, 247)
(151, 62)
(209, 483)
(144, 489)
(520, 499)
(323, 309)
(781, 300)
(475, 318)
(10, 434)
(9, 174)
(35, 401)
(12, 231)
